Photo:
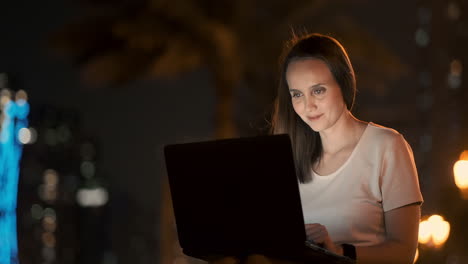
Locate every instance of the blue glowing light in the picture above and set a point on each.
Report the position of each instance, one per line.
(14, 118)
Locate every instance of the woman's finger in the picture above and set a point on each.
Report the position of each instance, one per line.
(315, 228)
(317, 233)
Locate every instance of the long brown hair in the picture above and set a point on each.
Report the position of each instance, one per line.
(306, 143)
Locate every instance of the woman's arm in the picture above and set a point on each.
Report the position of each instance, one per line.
(401, 225)
(399, 247)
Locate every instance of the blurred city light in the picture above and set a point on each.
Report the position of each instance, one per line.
(425, 232)
(460, 170)
(87, 169)
(49, 224)
(454, 77)
(5, 96)
(460, 173)
(50, 212)
(50, 177)
(48, 239)
(416, 256)
(434, 231)
(48, 253)
(48, 191)
(21, 96)
(94, 197)
(456, 67)
(464, 155)
(24, 135)
(27, 135)
(422, 37)
(453, 11)
(8, 240)
(454, 81)
(13, 119)
(36, 211)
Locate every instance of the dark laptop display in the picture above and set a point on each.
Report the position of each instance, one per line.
(237, 197)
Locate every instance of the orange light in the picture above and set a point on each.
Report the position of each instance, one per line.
(434, 231)
(460, 170)
(464, 155)
(441, 230)
(460, 173)
(425, 232)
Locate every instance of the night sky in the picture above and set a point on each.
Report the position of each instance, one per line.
(131, 123)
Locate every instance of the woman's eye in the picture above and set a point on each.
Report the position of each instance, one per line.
(295, 94)
(319, 91)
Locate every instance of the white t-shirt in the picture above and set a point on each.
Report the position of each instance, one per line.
(380, 175)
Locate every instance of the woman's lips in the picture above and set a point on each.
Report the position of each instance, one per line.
(314, 118)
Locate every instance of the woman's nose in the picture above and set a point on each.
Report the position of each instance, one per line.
(310, 103)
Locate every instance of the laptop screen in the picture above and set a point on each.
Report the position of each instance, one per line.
(235, 196)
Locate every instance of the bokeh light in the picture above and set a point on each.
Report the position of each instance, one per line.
(464, 155)
(88, 169)
(454, 81)
(21, 96)
(51, 177)
(36, 211)
(425, 232)
(48, 191)
(92, 197)
(456, 67)
(434, 231)
(49, 224)
(460, 174)
(49, 212)
(48, 239)
(24, 135)
(27, 135)
(460, 171)
(5, 96)
(454, 77)
(453, 11)
(48, 253)
(422, 37)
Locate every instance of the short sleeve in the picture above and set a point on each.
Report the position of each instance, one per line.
(399, 177)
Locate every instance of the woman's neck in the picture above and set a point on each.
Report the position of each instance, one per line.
(345, 133)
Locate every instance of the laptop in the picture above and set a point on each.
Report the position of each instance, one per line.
(236, 197)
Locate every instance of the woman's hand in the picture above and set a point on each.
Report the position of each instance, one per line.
(318, 234)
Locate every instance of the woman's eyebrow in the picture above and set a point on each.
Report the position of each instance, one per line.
(312, 86)
(316, 85)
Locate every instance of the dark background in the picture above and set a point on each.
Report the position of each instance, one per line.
(402, 84)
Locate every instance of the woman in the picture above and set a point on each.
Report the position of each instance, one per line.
(358, 181)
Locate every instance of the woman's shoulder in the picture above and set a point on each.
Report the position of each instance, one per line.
(383, 134)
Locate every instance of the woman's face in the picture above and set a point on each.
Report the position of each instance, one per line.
(315, 94)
